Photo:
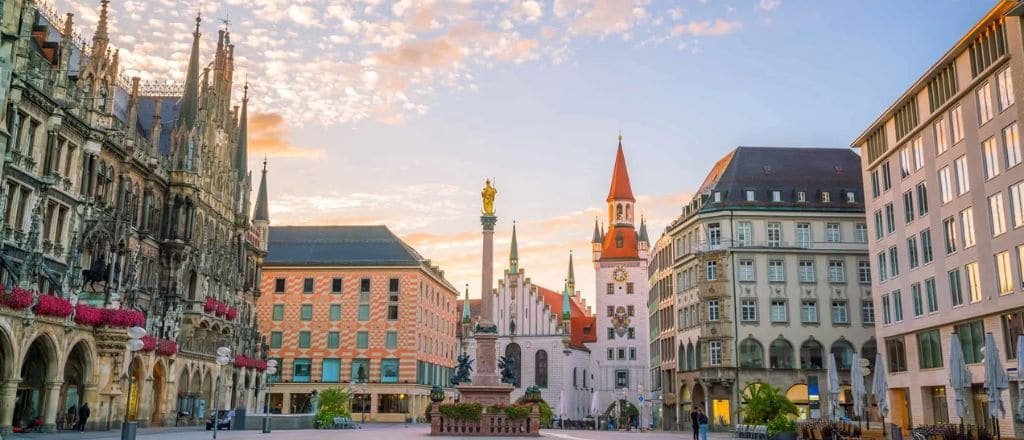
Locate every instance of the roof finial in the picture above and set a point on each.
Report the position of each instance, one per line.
(620, 137)
(199, 18)
(264, 163)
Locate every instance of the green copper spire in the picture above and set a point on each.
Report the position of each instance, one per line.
(513, 256)
(465, 306)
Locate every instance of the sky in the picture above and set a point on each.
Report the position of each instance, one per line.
(383, 112)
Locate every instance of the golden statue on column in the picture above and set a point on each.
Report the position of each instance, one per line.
(488, 194)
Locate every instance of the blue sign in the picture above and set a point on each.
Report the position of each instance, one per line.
(641, 398)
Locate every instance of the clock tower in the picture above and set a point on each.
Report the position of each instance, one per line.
(620, 359)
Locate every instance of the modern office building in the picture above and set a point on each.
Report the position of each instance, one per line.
(354, 307)
(945, 203)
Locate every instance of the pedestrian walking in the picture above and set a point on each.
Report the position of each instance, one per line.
(83, 416)
(703, 421)
(695, 423)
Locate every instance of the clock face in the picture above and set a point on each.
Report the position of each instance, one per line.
(619, 274)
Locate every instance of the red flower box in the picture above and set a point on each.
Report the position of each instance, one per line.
(165, 347)
(149, 343)
(210, 305)
(17, 299)
(261, 365)
(50, 305)
(123, 318)
(222, 309)
(231, 313)
(88, 315)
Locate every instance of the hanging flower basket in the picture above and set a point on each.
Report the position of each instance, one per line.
(166, 347)
(50, 305)
(18, 298)
(231, 313)
(88, 315)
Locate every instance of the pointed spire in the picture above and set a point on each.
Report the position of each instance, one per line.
(513, 255)
(643, 231)
(572, 276)
(190, 99)
(261, 213)
(465, 306)
(101, 25)
(241, 155)
(620, 188)
(566, 314)
(597, 233)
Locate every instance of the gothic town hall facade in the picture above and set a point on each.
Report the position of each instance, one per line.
(124, 204)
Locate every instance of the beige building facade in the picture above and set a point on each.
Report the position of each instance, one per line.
(945, 203)
(767, 276)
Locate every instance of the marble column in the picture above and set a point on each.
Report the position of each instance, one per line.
(10, 393)
(487, 270)
(50, 406)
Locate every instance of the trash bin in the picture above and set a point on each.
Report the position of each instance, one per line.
(238, 422)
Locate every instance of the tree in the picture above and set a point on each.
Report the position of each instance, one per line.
(765, 404)
(334, 402)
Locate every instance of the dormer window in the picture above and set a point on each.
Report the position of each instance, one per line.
(750, 195)
(776, 195)
(851, 197)
(801, 196)
(717, 197)
(826, 197)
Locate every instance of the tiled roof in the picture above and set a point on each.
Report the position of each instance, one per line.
(620, 188)
(788, 170)
(629, 248)
(338, 246)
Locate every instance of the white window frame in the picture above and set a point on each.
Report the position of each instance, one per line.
(779, 310)
(840, 312)
(997, 214)
(983, 95)
(776, 271)
(860, 232)
(956, 125)
(751, 195)
(1004, 273)
(941, 136)
(973, 281)
(1017, 204)
(1004, 86)
(744, 233)
(714, 311)
(918, 146)
(774, 229)
(967, 227)
(712, 271)
(748, 310)
(864, 272)
(833, 233)
(806, 270)
(809, 311)
(945, 185)
(1011, 145)
(990, 154)
(747, 270)
(715, 352)
(963, 176)
(803, 235)
(836, 271)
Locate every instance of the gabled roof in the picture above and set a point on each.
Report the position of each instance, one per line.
(338, 246)
(789, 170)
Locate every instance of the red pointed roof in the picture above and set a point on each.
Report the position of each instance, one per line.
(620, 189)
(610, 249)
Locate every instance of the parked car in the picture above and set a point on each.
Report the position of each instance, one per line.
(223, 420)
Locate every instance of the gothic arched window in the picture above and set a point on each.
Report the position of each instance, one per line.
(751, 354)
(618, 212)
(513, 351)
(540, 372)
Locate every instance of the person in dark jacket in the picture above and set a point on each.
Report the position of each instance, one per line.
(695, 423)
(83, 416)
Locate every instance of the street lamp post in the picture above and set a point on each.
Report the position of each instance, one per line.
(135, 335)
(222, 360)
(271, 370)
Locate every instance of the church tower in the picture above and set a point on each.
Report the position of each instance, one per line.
(620, 360)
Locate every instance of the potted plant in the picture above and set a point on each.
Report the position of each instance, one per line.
(782, 428)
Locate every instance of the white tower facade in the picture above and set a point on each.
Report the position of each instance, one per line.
(621, 356)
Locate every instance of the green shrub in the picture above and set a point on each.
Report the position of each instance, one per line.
(462, 411)
(546, 414)
(765, 404)
(334, 402)
(781, 424)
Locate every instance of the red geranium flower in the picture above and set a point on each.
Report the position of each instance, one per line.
(210, 305)
(88, 315)
(18, 298)
(50, 305)
(166, 347)
(231, 313)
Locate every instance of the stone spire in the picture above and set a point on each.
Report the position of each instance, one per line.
(571, 281)
(241, 156)
(597, 233)
(261, 213)
(100, 39)
(643, 231)
(513, 254)
(189, 116)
